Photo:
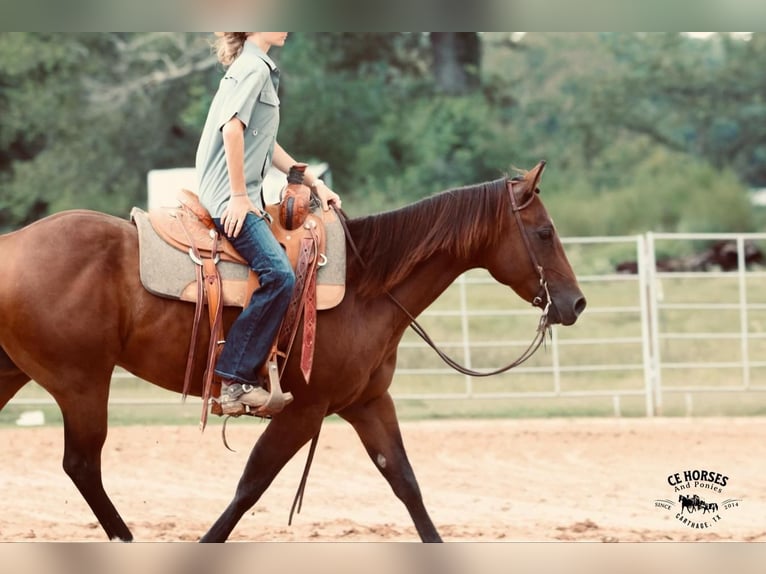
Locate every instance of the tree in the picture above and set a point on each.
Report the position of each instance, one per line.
(86, 116)
(397, 115)
(700, 96)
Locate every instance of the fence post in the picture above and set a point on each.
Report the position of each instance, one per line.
(651, 322)
(646, 322)
(743, 318)
(555, 361)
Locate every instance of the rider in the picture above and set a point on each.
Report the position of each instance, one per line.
(237, 147)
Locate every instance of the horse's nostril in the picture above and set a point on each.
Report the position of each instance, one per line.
(579, 305)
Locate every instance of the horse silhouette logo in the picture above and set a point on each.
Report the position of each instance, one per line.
(695, 511)
(694, 502)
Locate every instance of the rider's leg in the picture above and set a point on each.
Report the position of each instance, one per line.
(250, 338)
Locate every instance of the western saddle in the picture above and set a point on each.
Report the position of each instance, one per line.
(190, 228)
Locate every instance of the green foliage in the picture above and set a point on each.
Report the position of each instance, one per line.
(72, 135)
(329, 116)
(431, 145)
(659, 131)
(625, 120)
(667, 192)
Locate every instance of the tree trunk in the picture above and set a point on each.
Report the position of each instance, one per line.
(456, 61)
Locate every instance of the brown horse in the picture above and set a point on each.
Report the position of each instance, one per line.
(72, 307)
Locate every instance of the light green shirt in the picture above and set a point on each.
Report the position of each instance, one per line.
(247, 91)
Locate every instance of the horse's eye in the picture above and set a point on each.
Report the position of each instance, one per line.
(545, 233)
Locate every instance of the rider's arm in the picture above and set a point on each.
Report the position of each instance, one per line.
(233, 133)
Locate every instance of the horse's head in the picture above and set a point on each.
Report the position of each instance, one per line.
(530, 258)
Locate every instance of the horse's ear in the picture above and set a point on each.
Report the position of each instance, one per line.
(532, 177)
(527, 184)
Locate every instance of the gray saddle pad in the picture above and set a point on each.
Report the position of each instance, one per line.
(167, 272)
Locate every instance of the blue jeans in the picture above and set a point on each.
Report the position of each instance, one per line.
(250, 338)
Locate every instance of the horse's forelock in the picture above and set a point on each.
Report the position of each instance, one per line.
(457, 221)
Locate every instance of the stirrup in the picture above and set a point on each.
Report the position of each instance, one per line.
(277, 399)
(261, 403)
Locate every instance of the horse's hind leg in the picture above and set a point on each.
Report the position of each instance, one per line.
(10, 383)
(285, 435)
(11, 379)
(85, 428)
(376, 424)
(85, 425)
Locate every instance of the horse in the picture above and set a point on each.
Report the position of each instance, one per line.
(72, 308)
(687, 502)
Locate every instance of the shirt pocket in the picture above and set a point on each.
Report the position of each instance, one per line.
(269, 97)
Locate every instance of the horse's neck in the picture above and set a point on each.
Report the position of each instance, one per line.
(428, 280)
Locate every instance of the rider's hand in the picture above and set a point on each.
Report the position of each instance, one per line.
(326, 195)
(233, 217)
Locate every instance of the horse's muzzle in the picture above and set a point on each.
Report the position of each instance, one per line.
(566, 312)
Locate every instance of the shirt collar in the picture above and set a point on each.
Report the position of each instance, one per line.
(251, 48)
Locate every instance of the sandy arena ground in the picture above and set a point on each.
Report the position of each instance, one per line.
(496, 480)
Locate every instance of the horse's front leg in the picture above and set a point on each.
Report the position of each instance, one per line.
(284, 436)
(376, 424)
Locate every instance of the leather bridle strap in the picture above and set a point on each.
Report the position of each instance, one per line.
(415, 326)
(537, 301)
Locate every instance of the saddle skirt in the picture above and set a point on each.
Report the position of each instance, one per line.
(167, 266)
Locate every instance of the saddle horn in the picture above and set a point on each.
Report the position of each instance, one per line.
(296, 199)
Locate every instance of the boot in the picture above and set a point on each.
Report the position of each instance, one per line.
(238, 398)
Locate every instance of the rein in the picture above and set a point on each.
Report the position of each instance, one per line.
(542, 326)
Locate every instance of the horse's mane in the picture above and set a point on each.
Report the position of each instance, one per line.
(455, 221)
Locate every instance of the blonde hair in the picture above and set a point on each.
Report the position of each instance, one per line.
(228, 45)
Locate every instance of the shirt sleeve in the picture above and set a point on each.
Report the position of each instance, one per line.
(241, 96)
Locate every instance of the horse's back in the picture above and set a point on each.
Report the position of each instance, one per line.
(86, 220)
(64, 235)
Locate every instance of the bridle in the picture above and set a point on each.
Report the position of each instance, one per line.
(537, 301)
(542, 327)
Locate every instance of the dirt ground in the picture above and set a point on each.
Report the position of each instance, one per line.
(493, 480)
